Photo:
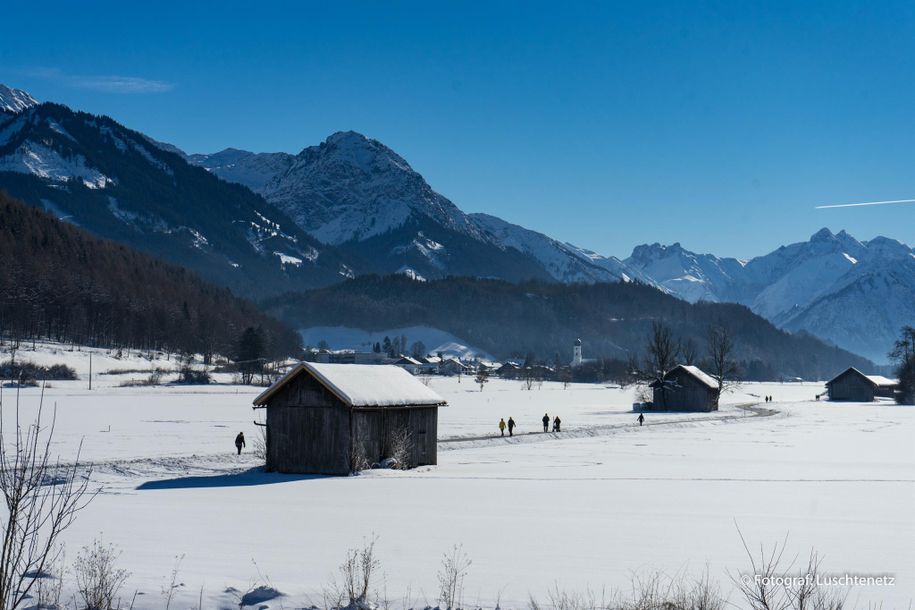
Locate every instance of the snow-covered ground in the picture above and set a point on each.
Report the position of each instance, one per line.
(587, 508)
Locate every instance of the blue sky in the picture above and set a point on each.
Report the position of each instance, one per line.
(717, 124)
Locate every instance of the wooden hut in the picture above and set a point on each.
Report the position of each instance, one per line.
(853, 385)
(685, 388)
(327, 418)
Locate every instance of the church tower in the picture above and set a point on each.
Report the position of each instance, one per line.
(576, 353)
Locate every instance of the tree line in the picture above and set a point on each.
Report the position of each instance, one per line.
(59, 283)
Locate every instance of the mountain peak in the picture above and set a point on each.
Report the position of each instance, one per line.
(823, 234)
(15, 100)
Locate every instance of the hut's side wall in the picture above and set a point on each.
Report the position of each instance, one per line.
(852, 387)
(376, 430)
(308, 430)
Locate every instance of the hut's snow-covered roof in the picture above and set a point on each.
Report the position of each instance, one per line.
(880, 380)
(362, 385)
(699, 374)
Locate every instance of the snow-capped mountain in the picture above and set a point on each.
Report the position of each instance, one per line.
(356, 192)
(117, 184)
(854, 294)
(14, 100)
(690, 276)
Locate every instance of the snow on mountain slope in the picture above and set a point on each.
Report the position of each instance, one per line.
(13, 101)
(564, 262)
(253, 170)
(44, 162)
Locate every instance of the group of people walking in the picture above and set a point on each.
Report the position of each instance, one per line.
(769, 398)
(510, 425)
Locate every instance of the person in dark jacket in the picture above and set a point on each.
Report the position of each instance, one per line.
(546, 422)
(511, 426)
(240, 441)
(556, 424)
(641, 419)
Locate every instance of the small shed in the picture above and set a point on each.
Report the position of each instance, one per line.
(685, 388)
(853, 385)
(329, 418)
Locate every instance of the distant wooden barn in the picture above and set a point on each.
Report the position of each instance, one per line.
(685, 388)
(322, 418)
(853, 385)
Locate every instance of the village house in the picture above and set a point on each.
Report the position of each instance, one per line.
(411, 365)
(685, 388)
(330, 418)
(509, 370)
(452, 366)
(853, 385)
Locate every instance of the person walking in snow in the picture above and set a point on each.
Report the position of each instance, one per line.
(546, 422)
(240, 441)
(511, 426)
(502, 427)
(556, 423)
(641, 419)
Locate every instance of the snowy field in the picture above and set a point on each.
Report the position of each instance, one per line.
(588, 508)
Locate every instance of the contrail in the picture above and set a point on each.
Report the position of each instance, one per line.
(856, 205)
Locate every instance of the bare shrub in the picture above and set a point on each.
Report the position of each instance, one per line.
(98, 579)
(451, 578)
(357, 572)
(771, 583)
(259, 444)
(42, 500)
(401, 448)
(643, 393)
(169, 590)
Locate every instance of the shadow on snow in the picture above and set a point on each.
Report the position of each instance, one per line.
(247, 478)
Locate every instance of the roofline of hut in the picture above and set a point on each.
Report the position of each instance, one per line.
(261, 401)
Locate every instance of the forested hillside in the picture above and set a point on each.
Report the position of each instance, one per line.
(543, 319)
(60, 283)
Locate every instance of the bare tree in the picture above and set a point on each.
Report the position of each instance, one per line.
(720, 347)
(42, 499)
(662, 350)
(482, 378)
